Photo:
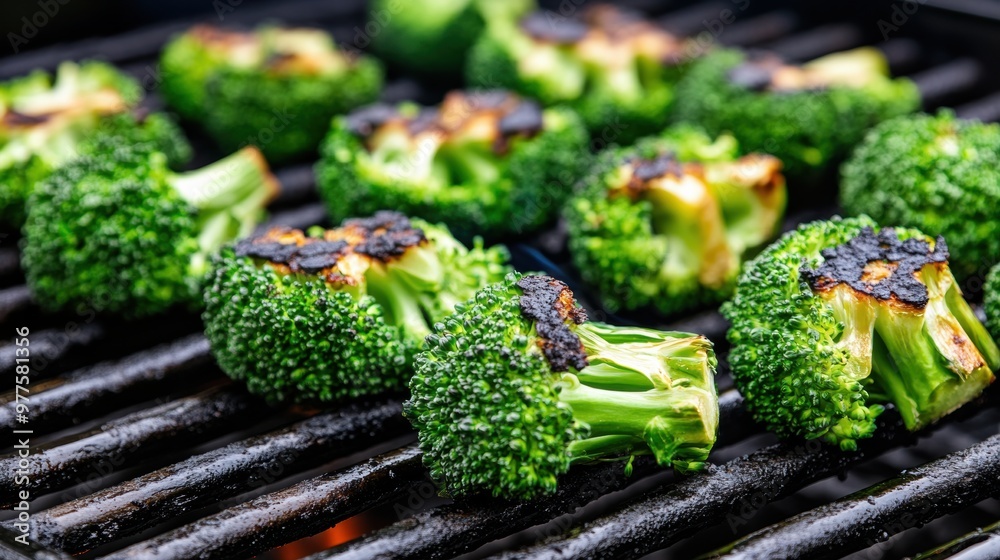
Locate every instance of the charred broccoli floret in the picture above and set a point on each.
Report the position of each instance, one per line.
(840, 317)
(517, 386)
(936, 173)
(123, 234)
(808, 116)
(485, 163)
(434, 36)
(667, 223)
(274, 88)
(47, 120)
(614, 68)
(338, 313)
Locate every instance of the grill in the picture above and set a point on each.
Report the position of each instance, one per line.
(141, 448)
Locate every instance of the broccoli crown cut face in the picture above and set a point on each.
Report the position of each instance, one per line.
(352, 304)
(517, 386)
(486, 163)
(650, 229)
(840, 317)
(808, 116)
(273, 50)
(944, 181)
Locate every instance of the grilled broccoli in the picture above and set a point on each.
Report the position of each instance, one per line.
(808, 116)
(46, 121)
(614, 68)
(274, 88)
(434, 36)
(123, 234)
(667, 223)
(338, 313)
(935, 173)
(485, 163)
(840, 317)
(517, 386)
(992, 302)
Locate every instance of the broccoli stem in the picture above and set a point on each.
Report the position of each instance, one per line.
(924, 361)
(230, 196)
(644, 392)
(400, 297)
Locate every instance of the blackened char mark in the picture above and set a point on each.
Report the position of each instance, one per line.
(385, 235)
(848, 264)
(525, 118)
(14, 118)
(314, 255)
(363, 122)
(559, 30)
(550, 304)
(664, 164)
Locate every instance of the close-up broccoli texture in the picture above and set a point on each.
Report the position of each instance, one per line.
(47, 120)
(517, 386)
(122, 234)
(991, 302)
(338, 313)
(839, 318)
(615, 68)
(667, 223)
(275, 88)
(936, 173)
(434, 36)
(809, 115)
(485, 163)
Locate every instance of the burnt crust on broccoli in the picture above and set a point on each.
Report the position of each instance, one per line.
(550, 304)
(879, 265)
(506, 114)
(665, 164)
(385, 235)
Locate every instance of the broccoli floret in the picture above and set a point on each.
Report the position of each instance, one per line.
(667, 223)
(485, 163)
(338, 313)
(808, 116)
(121, 233)
(991, 302)
(46, 121)
(614, 68)
(840, 317)
(434, 36)
(935, 173)
(517, 386)
(273, 88)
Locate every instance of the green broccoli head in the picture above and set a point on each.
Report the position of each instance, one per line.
(46, 121)
(485, 163)
(275, 88)
(517, 386)
(121, 233)
(434, 36)
(944, 179)
(666, 224)
(808, 116)
(840, 317)
(991, 302)
(339, 313)
(614, 68)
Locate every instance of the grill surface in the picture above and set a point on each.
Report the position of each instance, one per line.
(142, 449)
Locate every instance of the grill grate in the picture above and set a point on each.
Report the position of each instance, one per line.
(142, 449)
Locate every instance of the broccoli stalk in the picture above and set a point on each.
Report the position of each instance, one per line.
(839, 318)
(337, 313)
(121, 233)
(525, 387)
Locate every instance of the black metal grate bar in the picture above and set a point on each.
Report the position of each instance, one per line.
(450, 530)
(95, 390)
(759, 29)
(127, 440)
(941, 82)
(133, 506)
(817, 42)
(858, 521)
(13, 300)
(298, 511)
(981, 544)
